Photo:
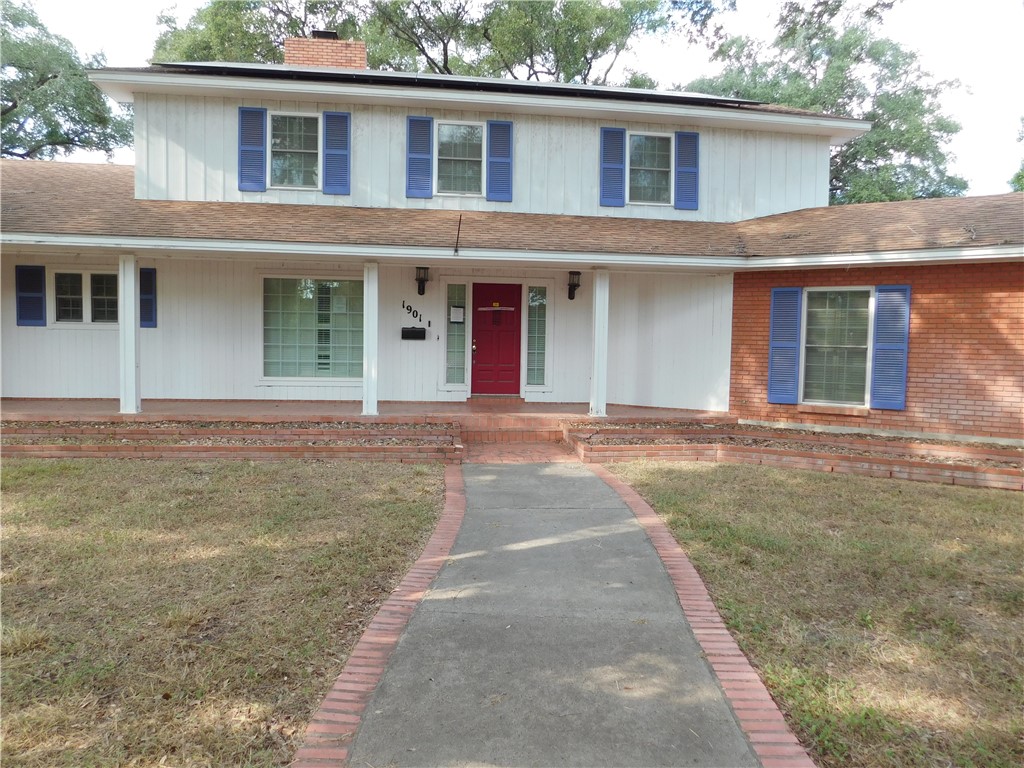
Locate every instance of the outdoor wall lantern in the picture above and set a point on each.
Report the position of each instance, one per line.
(422, 276)
(574, 283)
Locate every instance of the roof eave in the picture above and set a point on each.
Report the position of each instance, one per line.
(123, 85)
(470, 256)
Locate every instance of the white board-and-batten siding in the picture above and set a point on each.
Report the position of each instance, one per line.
(669, 337)
(187, 149)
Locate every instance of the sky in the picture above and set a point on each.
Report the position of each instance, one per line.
(977, 44)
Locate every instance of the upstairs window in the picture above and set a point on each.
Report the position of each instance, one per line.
(294, 151)
(650, 169)
(460, 158)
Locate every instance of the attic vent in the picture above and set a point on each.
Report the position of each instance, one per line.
(324, 34)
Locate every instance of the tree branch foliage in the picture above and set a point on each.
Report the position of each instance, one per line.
(574, 41)
(48, 106)
(827, 60)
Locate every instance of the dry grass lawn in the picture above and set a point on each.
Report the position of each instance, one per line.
(884, 616)
(191, 613)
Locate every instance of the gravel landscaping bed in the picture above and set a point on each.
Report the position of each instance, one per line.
(222, 425)
(810, 447)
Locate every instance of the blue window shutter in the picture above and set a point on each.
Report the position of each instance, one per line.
(784, 346)
(30, 285)
(419, 168)
(252, 149)
(337, 153)
(889, 350)
(147, 297)
(687, 162)
(499, 161)
(613, 167)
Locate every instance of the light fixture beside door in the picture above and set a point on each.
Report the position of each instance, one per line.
(422, 276)
(574, 283)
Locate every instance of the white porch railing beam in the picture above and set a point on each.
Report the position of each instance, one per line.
(128, 334)
(599, 374)
(371, 324)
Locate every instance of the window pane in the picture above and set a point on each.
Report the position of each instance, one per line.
(460, 151)
(459, 176)
(68, 295)
(836, 353)
(650, 152)
(460, 141)
(650, 169)
(294, 132)
(455, 368)
(312, 328)
(103, 292)
(294, 151)
(293, 169)
(536, 334)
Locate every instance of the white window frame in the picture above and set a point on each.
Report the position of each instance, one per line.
(870, 342)
(318, 116)
(303, 381)
(549, 325)
(671, 169)
(443, 384)
(86, 321)
(483, 157)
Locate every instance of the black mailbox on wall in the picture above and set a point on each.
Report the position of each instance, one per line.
(414, 334)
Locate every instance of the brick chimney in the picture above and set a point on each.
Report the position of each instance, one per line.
(324, 49)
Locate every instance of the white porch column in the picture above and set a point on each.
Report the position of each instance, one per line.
(371, 324)
(128, 334)
(599, 374)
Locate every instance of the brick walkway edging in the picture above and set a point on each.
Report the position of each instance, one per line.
(334, 725)
(758, 714)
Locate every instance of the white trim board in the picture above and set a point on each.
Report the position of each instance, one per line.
(466, 257)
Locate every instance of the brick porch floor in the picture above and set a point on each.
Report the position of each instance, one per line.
(16, 409)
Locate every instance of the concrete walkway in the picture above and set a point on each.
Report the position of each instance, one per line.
(553, 636)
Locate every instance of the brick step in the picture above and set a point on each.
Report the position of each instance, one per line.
(513, 435)
(450, 452)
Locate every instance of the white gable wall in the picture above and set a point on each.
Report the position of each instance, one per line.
(187, 149)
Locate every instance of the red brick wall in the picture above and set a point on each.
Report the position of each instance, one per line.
(966, 364)
(310, 52)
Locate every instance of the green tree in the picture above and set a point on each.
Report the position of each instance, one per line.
(1017, 181)
(572, 42)
(563, 40)
(48, 106)
(813, 64)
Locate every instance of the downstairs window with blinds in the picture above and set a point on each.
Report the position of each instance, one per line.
(312, 328)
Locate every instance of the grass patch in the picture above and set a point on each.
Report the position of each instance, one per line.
(191, 613)
(884, 616)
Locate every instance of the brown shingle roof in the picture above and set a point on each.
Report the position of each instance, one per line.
(42, 197)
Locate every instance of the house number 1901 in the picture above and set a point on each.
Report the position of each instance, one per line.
(414, 313)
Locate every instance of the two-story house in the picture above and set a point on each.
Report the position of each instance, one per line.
(319, 231)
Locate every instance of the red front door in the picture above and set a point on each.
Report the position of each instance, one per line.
(496, 338)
